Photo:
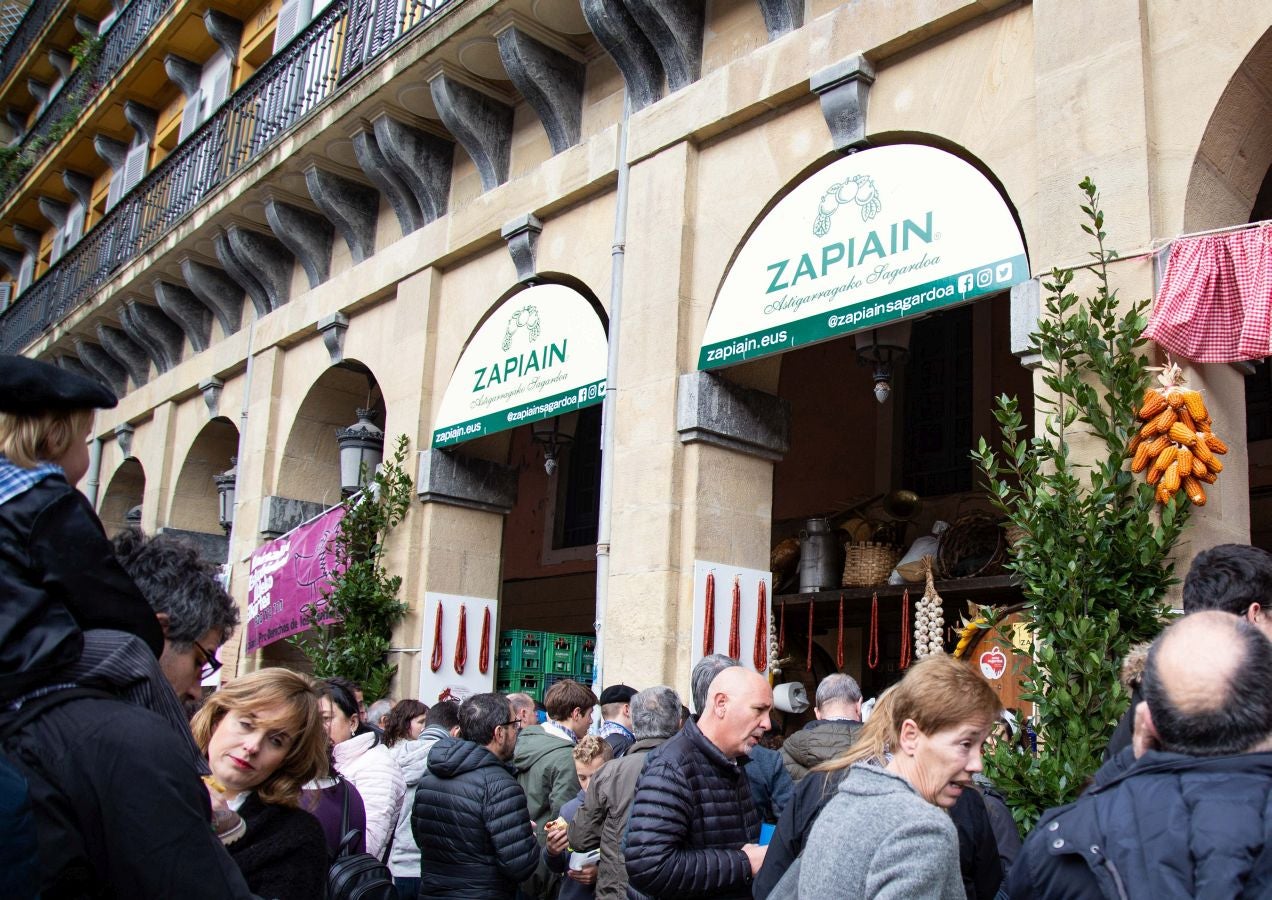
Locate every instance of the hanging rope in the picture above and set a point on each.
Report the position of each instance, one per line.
(435, 663)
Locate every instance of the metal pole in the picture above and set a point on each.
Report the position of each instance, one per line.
(617, 252)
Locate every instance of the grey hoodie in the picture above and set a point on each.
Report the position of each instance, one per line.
(878, 838)
(412, 756)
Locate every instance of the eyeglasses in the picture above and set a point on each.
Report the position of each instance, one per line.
(515, 723)
(210, 663)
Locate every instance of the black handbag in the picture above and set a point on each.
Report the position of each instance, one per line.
(357, 876)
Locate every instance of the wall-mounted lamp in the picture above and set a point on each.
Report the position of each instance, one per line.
(225, 484)
(361, 451)
(554, 434)
(881, 349)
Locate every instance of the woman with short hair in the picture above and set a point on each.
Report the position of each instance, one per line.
(263, 738)
(887, 832)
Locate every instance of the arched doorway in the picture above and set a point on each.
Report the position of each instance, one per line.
(195, 510)
(123, 495)
(1230, 184)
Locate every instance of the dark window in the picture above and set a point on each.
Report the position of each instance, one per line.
(1258, 387)
(938, 405)
(582, 482)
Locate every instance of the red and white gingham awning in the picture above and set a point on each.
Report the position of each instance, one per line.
(1215, 301)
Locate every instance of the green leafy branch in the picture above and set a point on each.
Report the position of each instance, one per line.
(363, 597)
(1093, 563)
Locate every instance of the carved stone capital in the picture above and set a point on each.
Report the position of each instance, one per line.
(844, 89)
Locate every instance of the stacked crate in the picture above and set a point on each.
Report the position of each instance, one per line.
(530, 662)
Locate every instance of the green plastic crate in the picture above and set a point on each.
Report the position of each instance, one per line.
(586, 659)
(521, 651)
(563, 654)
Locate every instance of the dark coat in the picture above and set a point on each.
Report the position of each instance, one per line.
(119, 809)
(977, 849)
(283, 854)
(691, 815)
(471, 824)
(602, 819)
(59, 577)
(816, 742)
(771, 786)
(1166, 827)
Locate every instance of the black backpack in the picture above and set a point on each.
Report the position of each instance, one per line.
(357, 876)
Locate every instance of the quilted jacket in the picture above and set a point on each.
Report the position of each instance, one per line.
(471, 825)
(691, 814)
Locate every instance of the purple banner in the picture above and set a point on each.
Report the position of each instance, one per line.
(288, 574)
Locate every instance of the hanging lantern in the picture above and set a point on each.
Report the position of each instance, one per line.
(225, 484)
(881, 349)
(361, 450)
(554, 434)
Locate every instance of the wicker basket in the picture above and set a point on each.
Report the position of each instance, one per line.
(868, 564)
(973, 547)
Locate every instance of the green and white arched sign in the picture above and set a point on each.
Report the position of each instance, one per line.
(543, 352)
(876, 236)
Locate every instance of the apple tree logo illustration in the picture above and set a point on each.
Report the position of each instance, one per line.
(528, 318)
(858, 189)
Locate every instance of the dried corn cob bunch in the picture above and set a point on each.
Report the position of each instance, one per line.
(1175, 446)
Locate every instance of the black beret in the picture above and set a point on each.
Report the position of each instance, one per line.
(30, 387)
(617, 693)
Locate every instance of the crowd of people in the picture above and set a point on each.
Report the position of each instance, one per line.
(118, 778)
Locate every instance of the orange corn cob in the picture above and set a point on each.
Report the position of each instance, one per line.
(1186, 419)
(1164, 494)
(1165, 458)
(1184, 459)
(1175, 399)
(1153, 404)
(1195, 405)
(1182, 435)
(1199, 467)
(1216, 445)
(1140, 460)
(1157, 445)
(1170, 478)
(1208, 476)
(1192, 487)
(1154, 475)
(1164, 419)
(1201, 450)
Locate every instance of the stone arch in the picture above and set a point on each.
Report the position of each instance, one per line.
(194, 497)
(125, 491)
(1235, 152)
(309, 468)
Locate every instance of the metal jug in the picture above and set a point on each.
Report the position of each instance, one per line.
(818, 557)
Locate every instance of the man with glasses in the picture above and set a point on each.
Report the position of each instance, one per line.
(195, 612)
(470, 818)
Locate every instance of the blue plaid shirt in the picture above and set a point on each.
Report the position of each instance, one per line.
(15, 480)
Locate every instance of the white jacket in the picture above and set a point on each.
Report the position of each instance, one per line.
(371, 769)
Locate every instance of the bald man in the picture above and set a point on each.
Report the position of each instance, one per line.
(1192, 815)
(693, 826)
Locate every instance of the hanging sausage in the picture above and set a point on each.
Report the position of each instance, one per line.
(872, 649)
(839, 645)
(905, 630)
(735, 637)
(435, 663)
(483, 656)
(708, 618)
(760, 652)
(461, 643)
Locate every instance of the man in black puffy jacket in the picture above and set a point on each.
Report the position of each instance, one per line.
(1186, 812)
(470, 818)
(693, 824)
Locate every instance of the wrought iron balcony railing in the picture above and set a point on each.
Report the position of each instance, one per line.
(119, 42)
(38, 15)
(295, 81)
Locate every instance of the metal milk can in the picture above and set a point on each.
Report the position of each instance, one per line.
(818, 557)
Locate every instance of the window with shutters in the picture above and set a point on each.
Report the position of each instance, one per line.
(292, 17)
(26, 272)
(6, 294)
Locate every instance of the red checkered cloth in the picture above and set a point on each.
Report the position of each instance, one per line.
(1215, 303)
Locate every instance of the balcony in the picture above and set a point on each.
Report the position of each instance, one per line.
(59, 117)
(293, 83)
